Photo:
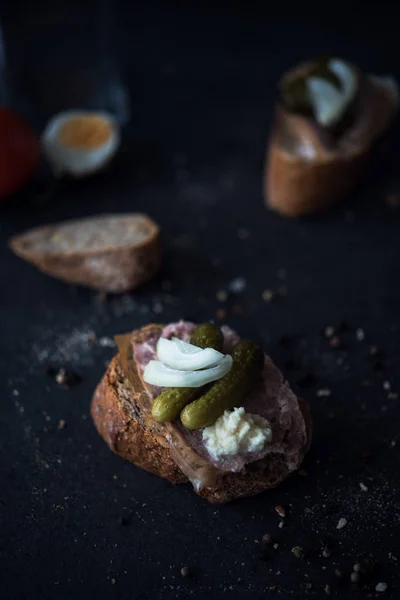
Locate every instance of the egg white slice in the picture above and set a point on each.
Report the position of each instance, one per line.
(328, 102)
(186, 357)
(156, 373)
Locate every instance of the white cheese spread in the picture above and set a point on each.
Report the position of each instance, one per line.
(236, 432)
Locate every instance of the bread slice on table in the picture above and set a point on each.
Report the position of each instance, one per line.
(121, 410)
(110, 253)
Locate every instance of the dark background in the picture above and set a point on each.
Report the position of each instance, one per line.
(77, 521)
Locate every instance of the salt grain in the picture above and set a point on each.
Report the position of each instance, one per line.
(238, 285)
(123, 305)
(363, 487)
(342, 523)
(386, 385)
(106, 342)
(381, 587)
(324, 393)
(74, 347)
(360, 334)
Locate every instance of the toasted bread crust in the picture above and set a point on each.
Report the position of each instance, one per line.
(120, 423)
(295, 188)
(116, 412)
(112, 270)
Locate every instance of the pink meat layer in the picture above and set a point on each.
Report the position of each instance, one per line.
(271, 398)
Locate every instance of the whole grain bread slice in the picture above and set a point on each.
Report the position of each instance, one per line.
(111, 253)
(135, 436)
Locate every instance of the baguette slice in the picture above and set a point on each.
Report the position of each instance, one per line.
(118, 412)
(111, 253)
(306, 170)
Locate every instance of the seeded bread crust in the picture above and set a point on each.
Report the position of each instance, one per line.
(112, 269)
(118, 418)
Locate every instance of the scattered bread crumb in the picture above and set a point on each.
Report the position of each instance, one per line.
(268, 295)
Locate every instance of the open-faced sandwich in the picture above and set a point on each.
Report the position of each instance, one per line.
(198, 403)
(328, 118)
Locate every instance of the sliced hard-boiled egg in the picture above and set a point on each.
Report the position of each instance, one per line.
(80, 142)
(177, 354)
(329, 102)
(156, 373)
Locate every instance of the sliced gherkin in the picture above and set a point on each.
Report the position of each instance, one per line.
(228, 392)
(169, 404)
(207, 335)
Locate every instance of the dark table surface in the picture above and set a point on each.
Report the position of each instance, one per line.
(79, 522)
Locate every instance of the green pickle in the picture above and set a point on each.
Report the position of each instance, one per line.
(207, 335)
(295, 97)
(228, 392)
(169, 404)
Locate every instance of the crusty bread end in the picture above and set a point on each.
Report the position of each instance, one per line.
(110, 253)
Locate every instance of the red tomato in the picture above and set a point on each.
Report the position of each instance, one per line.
(19, 152)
